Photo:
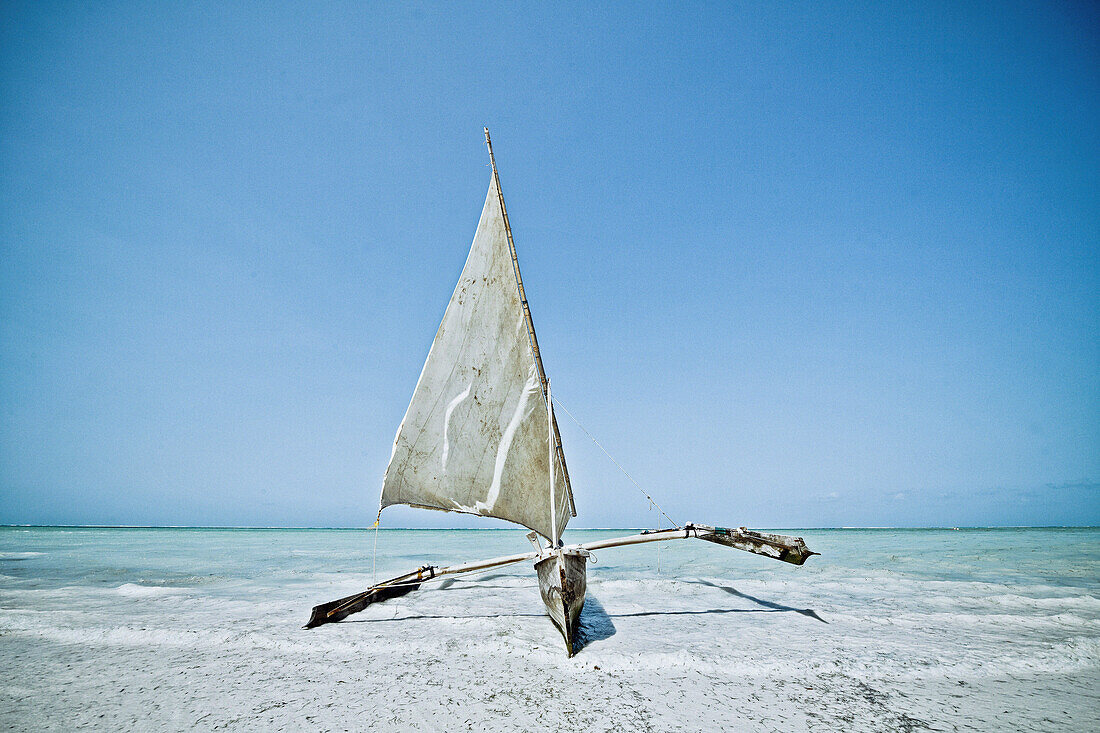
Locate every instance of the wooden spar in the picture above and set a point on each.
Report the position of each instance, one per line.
(485, 564)
(530, 324)
(343, 607)
(554, 538)
(637, 539)
(775, 546)
(562, 572)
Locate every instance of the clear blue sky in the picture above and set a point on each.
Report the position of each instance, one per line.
(793, 264)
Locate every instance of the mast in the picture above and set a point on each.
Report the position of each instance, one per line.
(555, 436)
(553, 494)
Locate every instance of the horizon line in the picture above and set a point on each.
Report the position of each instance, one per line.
(512, 529)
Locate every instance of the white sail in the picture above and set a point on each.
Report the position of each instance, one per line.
(475, 436)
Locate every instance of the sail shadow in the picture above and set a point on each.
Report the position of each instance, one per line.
(595, 624)
(809, 612)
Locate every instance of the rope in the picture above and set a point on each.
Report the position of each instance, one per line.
(658, 546)
(636, 484)
(374, 555)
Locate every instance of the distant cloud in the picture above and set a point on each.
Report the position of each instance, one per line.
(1082, 485)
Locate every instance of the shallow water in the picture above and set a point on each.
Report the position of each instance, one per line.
(889, 629)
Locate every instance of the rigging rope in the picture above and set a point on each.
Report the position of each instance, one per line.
(636, 484)
(374, 555)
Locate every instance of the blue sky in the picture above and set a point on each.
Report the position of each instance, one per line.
(792, 264)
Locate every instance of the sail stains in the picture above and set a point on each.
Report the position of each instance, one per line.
(474, 438)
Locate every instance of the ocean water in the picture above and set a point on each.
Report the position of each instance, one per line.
(975, 629)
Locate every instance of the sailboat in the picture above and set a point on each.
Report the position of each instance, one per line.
(480, 437)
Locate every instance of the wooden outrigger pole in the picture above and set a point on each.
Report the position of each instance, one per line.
(337, 610)
(775, 546)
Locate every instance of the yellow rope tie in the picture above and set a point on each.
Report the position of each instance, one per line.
(374, 554)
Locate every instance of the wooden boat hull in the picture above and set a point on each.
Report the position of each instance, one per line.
(562, 583)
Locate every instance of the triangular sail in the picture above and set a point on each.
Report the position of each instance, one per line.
(475, 436)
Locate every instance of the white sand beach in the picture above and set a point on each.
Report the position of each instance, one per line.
(843, 643)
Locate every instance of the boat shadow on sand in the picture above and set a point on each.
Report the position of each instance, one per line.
(596, 623)
(768, 605)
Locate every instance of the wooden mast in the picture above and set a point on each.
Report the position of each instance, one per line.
(554, 538)
(531, 328)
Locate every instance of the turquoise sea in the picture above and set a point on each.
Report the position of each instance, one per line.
(983, 629)
(218, 559)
